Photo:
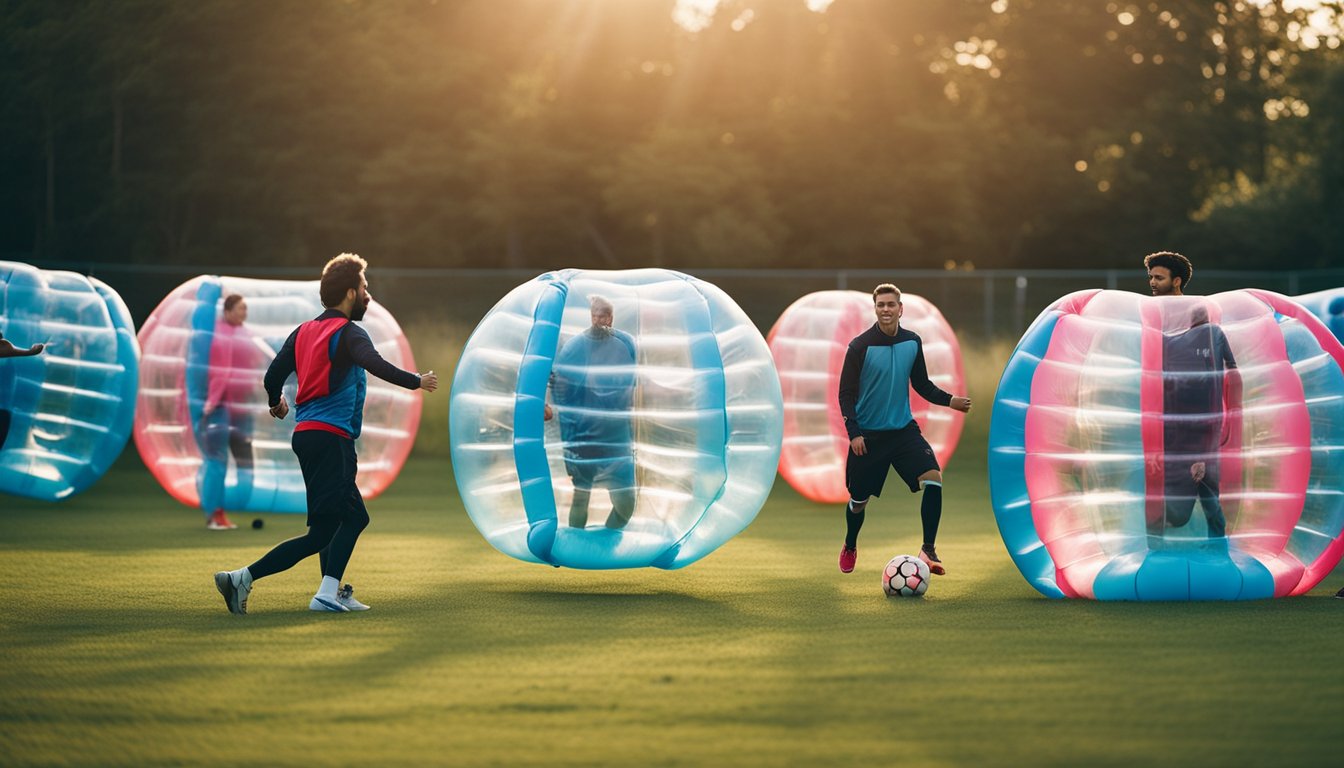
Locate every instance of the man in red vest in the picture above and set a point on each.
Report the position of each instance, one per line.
(329, 354)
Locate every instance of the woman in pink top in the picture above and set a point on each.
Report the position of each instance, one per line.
(237, 361)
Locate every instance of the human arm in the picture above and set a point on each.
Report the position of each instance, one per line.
(1232, 391)
(920, 381)
(1231, 405)
(360, 347)
(849, 394)
(281, 368)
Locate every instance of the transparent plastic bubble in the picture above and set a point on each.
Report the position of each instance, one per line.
(666, 423)
(1171, 448)
(202, 423)
(65, 414)
(809, 342)
(1328, 307)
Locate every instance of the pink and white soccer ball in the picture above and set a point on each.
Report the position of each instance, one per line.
(905, 576)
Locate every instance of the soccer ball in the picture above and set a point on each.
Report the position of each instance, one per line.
(905, 576)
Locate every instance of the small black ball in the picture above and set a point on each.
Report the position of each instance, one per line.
(258, 523)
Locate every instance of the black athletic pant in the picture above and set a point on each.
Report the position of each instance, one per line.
(336, 513)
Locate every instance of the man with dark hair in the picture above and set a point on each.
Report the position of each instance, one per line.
(881, 365)
(226, 423)
(593, 388)
(1169, 273)
(1200, 387)
(7, 349)
(330, 355)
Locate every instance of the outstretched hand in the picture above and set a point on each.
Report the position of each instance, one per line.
(7, 349)
(429, 381)
(962, 404)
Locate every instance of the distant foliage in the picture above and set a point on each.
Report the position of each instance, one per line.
(535, 133)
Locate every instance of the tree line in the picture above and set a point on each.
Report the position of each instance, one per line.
(604, 133)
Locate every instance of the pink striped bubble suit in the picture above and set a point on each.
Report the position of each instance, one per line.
(808, 343)
(1171, 448)
(201, 421)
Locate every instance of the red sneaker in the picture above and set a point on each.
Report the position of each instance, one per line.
(220, 522)
(935, 565)
(848, 557)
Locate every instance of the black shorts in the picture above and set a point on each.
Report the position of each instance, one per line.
(903, 449)
(329, 465)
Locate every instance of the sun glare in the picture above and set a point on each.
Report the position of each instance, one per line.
(695, 15)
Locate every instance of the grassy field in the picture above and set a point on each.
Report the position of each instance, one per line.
(118, 650)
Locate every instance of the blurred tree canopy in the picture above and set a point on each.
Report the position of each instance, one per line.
(604, 133)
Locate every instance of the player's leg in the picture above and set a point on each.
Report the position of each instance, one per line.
(1208, 491)
(580, 471)
(621, 486)
(214, 439)
(930, 515)
(240, 447)
(914, 461)
(235, 586)
(864, 478)
(354, 518)
(4, 426)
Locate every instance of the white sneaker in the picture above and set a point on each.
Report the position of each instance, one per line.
(326, 604)
(235, 588)
(346, 596)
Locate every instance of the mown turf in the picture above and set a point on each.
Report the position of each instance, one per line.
(117, 650)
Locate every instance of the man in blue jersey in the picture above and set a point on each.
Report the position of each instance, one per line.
(593, 386)
(881, 365)
(330, 355)
(1200, 384)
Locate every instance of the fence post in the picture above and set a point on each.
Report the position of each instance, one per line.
(1020, 304)
(989, 307)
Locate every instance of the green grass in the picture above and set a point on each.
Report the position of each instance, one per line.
(117, 650)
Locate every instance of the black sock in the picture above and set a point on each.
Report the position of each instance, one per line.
(931, 511)
(853, 521)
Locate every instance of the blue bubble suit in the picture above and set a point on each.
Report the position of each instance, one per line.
(65, 414)
(615, 419)
(1328, 306)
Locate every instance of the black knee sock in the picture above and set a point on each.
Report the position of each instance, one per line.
(853, 522)
(931, 511)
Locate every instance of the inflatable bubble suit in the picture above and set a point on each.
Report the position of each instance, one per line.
(238, 457)
(667, 423)
(809, 342)
(1328, 306)
(1171, 448)
(65, 414)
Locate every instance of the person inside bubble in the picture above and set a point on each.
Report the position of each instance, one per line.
(237, 359)
(1201, 396)
(7, 349)
(592, 388)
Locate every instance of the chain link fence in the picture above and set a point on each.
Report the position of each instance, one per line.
(981, 304)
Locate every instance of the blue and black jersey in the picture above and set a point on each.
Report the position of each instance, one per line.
(330, 355)
(876, 379)
(593, 385)
(1194, 365)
